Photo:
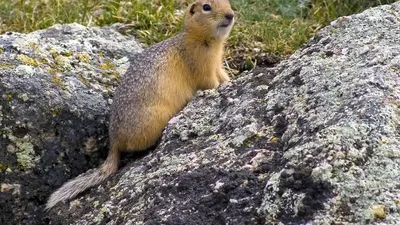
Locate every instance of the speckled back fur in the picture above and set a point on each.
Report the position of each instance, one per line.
(140, 81)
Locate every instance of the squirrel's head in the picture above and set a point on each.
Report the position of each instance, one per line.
(209, 18)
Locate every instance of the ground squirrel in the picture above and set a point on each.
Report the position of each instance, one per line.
(159, 83)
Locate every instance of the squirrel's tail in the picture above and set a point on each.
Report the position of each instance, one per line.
(76, 186)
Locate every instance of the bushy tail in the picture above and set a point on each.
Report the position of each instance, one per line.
(76, 186)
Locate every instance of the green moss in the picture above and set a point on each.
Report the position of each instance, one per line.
(67, 54)
(3, 167)
(249, 143)
(34, 46)
(379, 212)
(1, 49)
(249, 65)
(53, 71)
(25, 154)
(274, 140)
(100, 216)
(117, 76)
(54, 53)
(5, 133)
(63, 62)
(58, 81)
(83, 57)
(119, 194)
(83, 79)
(6, 66)
(56, 111)
(44, 61)
(107, 65)
(27, 60)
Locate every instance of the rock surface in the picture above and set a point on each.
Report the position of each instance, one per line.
(55, 90)
(339, 98)
(311, 141)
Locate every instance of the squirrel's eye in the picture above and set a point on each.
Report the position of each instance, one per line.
(206, 7)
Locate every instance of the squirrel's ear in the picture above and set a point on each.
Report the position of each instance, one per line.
(191, 10)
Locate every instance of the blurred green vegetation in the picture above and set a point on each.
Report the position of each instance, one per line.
(275, 27)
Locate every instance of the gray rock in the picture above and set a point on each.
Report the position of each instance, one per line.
(340, 97)
(311, 141)
(315, 145)
(55, 89)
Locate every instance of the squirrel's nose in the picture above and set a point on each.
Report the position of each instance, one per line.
(229, 16)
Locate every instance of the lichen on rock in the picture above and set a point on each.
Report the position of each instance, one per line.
(313, 140)
(25, 154)
(49, 107)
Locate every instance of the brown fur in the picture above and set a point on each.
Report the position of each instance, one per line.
(158, 84)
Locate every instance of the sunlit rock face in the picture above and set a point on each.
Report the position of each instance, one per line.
(313, 140)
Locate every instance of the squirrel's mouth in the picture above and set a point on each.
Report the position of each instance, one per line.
(225, 23)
